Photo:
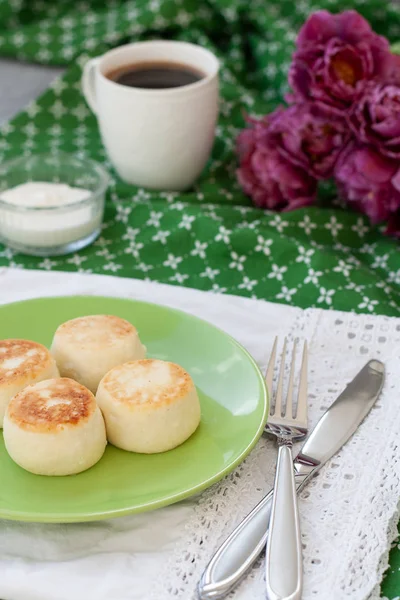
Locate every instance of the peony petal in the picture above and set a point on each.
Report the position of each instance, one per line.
(319, 27)
(396, 181)
(393, 69)
(300, 203)
(352, 26)
(246, 179)
(388, 129)
(300, 79)
(376, 168)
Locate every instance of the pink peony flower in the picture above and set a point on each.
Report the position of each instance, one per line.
(370, 183)
(336, 56)
(267, 176)
(375, 119)
(308, 139)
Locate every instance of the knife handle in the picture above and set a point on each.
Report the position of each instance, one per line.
(243, 546)
(236, 555)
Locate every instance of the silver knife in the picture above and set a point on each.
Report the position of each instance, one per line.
(240, 550)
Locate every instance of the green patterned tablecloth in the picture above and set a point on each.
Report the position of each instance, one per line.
(209, 238)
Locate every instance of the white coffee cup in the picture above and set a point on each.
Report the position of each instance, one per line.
(155, 138)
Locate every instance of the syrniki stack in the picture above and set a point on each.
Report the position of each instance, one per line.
(148, 405)
(22, 362)
(54, 428)
(86, 348)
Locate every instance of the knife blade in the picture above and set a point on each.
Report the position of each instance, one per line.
(242, 548)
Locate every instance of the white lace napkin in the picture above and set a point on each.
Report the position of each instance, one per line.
(348, 512)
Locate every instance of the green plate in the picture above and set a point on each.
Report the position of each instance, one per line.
(233, 405)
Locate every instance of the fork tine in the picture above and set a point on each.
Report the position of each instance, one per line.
(279, 389)
(302, 396)
(269, 376)
(289, 397)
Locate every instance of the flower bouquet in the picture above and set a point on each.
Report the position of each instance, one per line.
(342, 121)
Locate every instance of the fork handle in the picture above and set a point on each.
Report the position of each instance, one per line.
(284, 568)
(242, 547)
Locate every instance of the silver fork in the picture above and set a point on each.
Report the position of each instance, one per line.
(284, 565)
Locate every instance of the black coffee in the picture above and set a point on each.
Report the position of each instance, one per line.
(155, 76)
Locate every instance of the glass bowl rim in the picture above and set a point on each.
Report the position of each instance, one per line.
(103, 177)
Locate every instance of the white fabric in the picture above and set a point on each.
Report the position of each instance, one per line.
(348, 512)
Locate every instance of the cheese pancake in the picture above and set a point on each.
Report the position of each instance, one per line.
(148, 405)
(86, 348)
(22, 362)
(54, 427)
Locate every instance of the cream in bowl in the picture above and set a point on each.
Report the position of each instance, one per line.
(51, 204)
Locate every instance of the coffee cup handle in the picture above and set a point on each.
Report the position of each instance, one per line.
(88, 83)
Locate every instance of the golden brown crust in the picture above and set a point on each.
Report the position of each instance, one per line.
(22, 358)
(51, 404)
(148, 382)
(95, 329)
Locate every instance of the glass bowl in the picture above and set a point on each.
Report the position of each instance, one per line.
(52, 229)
